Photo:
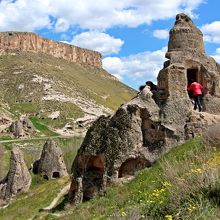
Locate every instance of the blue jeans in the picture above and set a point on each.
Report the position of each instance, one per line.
(197, 103)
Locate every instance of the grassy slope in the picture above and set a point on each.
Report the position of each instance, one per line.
(32, 150)
(181, 185)
(68, 78)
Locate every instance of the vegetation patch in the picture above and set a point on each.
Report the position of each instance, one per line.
(42, 127)
(183, 184)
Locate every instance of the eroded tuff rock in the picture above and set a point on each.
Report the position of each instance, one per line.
(118, 146)
(51, 163)
(24, 41)
(22, 127)
(145, 128)
(18, 178)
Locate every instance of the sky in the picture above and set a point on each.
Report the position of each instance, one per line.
(132, 35)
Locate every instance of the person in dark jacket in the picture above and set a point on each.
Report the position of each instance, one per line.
(196, 88)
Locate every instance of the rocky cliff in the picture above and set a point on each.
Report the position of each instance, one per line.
(24, 41)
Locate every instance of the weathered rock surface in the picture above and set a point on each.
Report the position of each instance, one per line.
(118, 146)
(22, 128)
(148, 126)
(18, 178)
(24, 41)
(51, 163)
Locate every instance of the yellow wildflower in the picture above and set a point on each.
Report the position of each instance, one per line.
(198, 170)
(168, 217)
(191, 208)
(123, 214)
(166, 184)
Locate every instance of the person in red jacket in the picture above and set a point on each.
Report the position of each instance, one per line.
(197, 93)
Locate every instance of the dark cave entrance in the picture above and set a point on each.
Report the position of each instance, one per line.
(56, 175)
(93, 177)
(192, 76)
(132, 165)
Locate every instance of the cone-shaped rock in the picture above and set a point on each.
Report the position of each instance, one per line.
(51, 163)
(185, 35)
(18, 178)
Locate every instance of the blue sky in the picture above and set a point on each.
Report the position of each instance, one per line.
(132, 35)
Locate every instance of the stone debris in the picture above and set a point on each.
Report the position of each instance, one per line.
(18, 179)
(115, 147)
(51, 163)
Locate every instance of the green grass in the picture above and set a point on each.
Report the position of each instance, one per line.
(5, 138)
(32, 150)
(24, 96)
(155, 193)
(152, 194)
(29, 204)
(42, 127)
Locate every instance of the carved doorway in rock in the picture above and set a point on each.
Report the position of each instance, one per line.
(93, 177)
(132, 165)
(192, 76)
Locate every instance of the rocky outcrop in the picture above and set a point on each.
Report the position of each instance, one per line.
(18, 179)
(22, 128)
(24, 41)
(51, 163)
(150, 124)
(186, 54)
(118, 146)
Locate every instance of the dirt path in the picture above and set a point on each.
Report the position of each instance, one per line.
(62, 192)
(36, 138)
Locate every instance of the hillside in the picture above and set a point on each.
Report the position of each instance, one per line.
(55, 92)
(183, 184)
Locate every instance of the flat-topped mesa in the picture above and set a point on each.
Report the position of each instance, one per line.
(27, 41)
(185, 35)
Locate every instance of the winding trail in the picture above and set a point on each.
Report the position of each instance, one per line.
(36, 138)
(62, 192)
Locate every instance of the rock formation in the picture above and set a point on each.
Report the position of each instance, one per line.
(149, 125)
(187, 62)
(22, 128)
(18, 178)
(51, 163)
(118, 146)
(24, 41)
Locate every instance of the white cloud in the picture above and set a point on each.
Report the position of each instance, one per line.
(216, 56)
(88, 14)
(24, 15)
(212, 32)
(137, 68)
(62, 25)
(161, 34)
(101, 42)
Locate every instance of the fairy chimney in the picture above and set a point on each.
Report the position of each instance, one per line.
(51, 163)
(18, 178)
(150, 124)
